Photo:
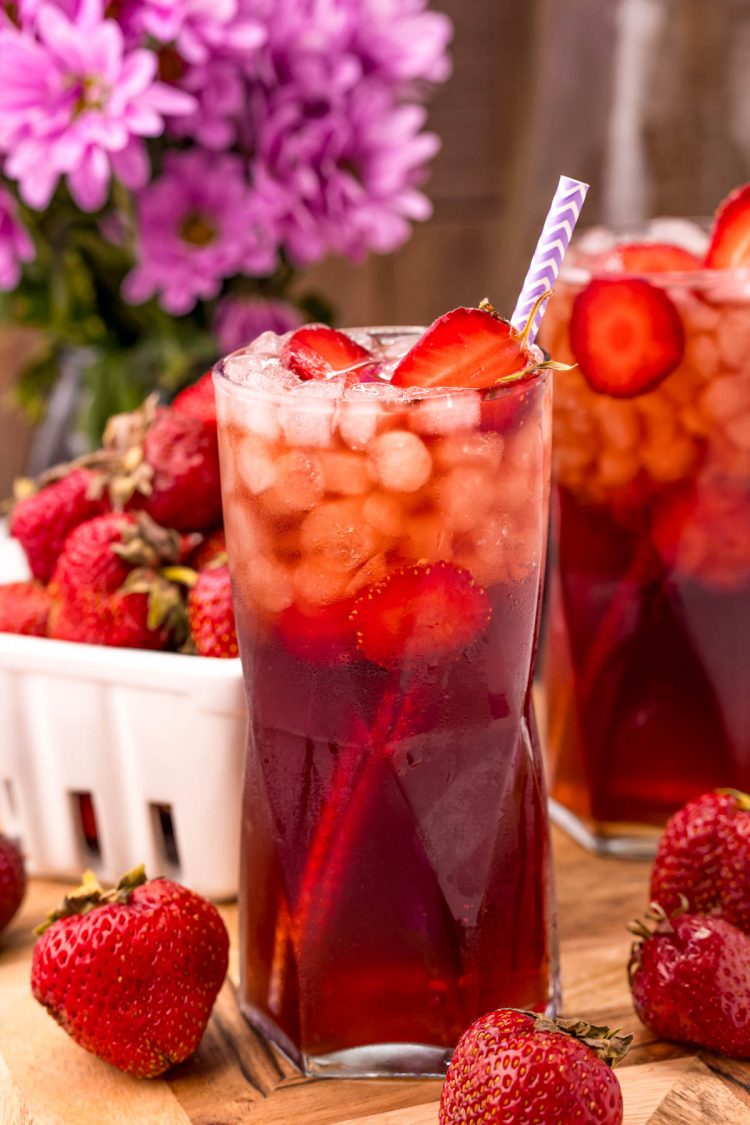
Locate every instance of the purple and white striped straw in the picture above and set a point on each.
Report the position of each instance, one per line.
(550, 251)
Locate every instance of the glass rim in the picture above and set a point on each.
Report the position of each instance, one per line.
(629, 231)
(412, 395)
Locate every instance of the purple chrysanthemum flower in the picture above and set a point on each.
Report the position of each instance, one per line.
(342, 175)
(198, 223)
(220, 96)
(75, 102)
(199, 29)
(16, 246)
(401, 40)
(240, 319)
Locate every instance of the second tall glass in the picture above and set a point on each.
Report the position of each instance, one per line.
(648, 657)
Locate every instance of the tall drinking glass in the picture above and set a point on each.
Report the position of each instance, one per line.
(386, 550)
(648, 657)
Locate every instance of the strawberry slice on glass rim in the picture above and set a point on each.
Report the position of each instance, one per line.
(626, 336)
(316, 351)
(469, 349)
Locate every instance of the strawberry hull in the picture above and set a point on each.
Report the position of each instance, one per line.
(396, 870)
(646, 662)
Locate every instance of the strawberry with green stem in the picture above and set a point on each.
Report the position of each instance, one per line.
(131, 974)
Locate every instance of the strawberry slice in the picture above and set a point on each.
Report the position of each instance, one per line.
(464, 348)
(321, 636)
(318, 352)
(626, 336)
(654, 257)
(430, 612)
(729, 247)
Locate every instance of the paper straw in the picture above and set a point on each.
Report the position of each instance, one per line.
(550, 251)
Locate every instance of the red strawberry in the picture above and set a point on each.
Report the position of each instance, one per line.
(12, 880)
(515, 1068)
(42, 522)
(729, 247)
(132, 974)
(102, 598)
(324, 635)
(690, 980)
(317, 352)
(183, 489)
(429, 612)
(210, 613)
(654, 257)
(198, 400)
(704, 854)
(24, 608)
(213, 549)
(626, 336)
(464, 348)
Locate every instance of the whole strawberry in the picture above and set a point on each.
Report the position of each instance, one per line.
(165, 462)
(210, 613)
(12, 880)
(704, 854)
(107, 585)
(185, 491)
(132, 974)
(198, 399)
(515, 1068)
(24, 608)
(213, 549)
(690, 980)
(42, 521)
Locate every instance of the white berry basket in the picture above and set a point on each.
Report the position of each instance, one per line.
(112, 757)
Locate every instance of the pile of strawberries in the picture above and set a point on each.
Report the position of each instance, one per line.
(126, 545)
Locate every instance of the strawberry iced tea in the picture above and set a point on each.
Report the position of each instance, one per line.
(646, 666)
(386, 549)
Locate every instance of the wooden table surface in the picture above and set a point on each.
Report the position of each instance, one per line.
(235, 1077)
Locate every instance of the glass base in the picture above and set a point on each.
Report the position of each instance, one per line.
(621, 840)
(375, 1060)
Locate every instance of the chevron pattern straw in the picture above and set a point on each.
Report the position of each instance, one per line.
(550, 251)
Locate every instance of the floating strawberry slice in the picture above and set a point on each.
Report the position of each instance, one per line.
(729, 247)
(464, 348)
(427, 612)
(655, 257)
(626, 336)
(318, 352)
(321, 636)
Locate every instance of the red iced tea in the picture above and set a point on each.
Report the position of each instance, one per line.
(386, 548)
(646, 666)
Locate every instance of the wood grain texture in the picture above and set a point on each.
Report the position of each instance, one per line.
(237, 1079)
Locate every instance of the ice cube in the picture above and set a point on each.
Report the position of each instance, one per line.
(427, 539)
(298, 486)
(441, 413)
(267, 583)
(734, 337)
(679, 232)
(465, 496)
(337, 530)
(385, 513)
(362, 407)
(345, 473)
(318, 584)
(400, 461)
(373, 571)
(254, 464)
(306, 415)
(485, 449)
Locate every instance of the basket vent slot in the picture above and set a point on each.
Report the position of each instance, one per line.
(166, 836)
(84, 812)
